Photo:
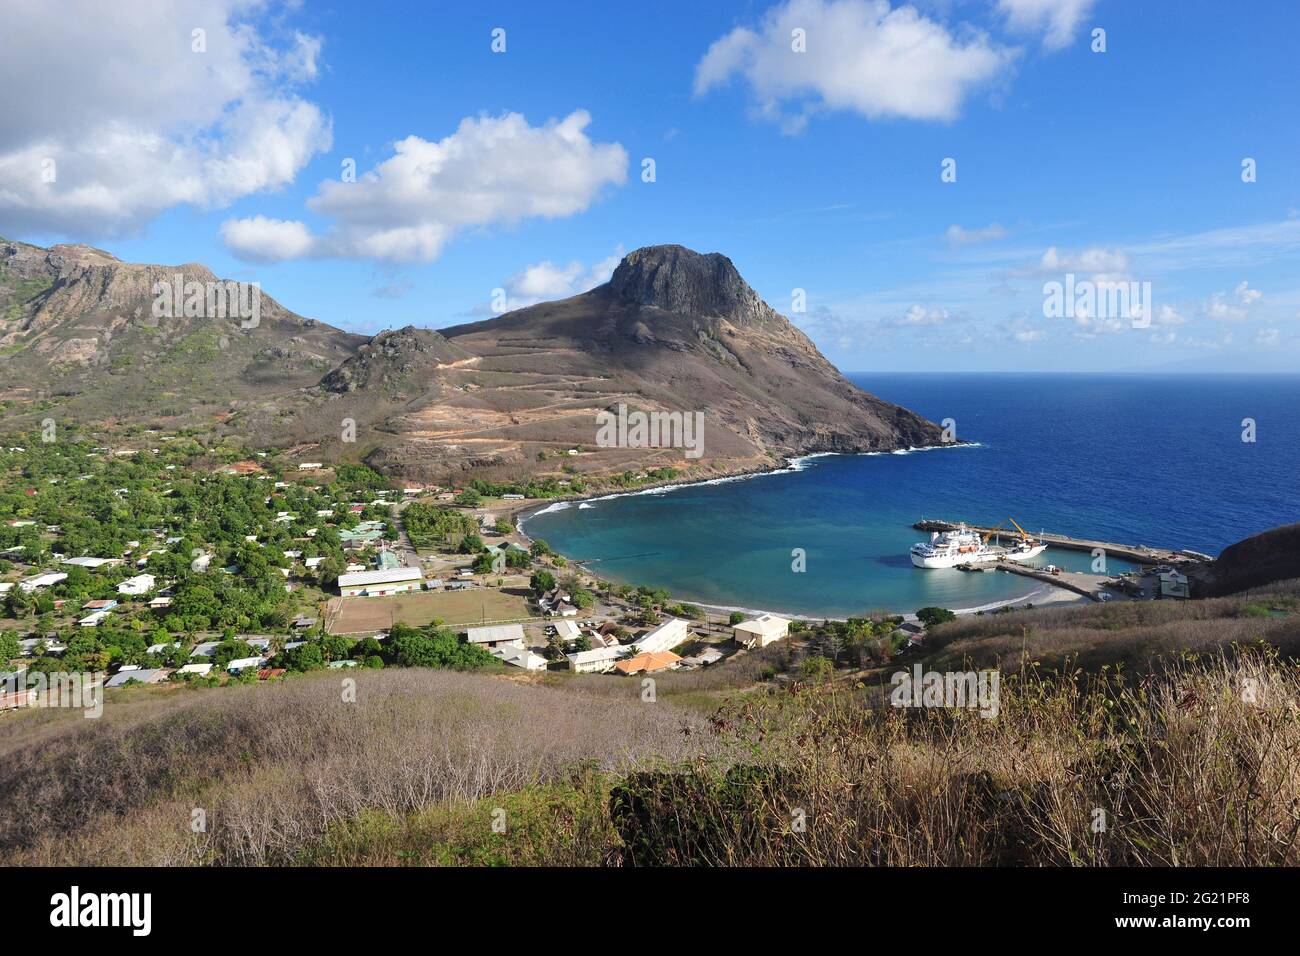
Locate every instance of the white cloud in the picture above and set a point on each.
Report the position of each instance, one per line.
(543, 281)
(267, 240)
(135, 121)
(919, 315)
(1268, 337)
(1221, 308)
(1097, 262)
(1021, 329)
(1089, 326)
(1055, 19)
(959, 236)
(861, 55)
(492, 170)
(1169, 315)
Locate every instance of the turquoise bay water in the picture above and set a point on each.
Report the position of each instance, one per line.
(1139, 460)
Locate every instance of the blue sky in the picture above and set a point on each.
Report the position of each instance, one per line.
(816, 170)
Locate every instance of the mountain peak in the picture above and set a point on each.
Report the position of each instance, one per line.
(681, 280)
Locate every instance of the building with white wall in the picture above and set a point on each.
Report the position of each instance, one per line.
(665, 637)
(761, 631)
(380, 581)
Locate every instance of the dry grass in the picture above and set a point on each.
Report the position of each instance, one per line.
(1129, 633)
(1186, 772)
(1194, 763)
(276, 766)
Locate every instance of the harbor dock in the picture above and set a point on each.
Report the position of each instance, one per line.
(1137, 553)
(1089, 585)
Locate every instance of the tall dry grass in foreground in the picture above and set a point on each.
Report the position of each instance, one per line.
(274, 767)
(1199, 765)
(1199, 768)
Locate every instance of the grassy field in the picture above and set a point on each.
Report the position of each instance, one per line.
(435, 768)
(456, 608)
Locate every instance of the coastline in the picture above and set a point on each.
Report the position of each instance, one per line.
(1041, 595)
(522, 513)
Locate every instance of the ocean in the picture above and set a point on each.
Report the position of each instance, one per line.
(1155, 460)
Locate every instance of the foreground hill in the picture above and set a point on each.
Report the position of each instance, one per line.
(1261, 559)
(426, 766)
(673, 331)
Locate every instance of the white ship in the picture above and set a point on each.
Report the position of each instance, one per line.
(961, 546)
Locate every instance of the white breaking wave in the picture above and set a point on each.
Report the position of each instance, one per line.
(802, 462)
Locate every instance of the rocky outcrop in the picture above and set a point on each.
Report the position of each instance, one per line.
(675, 279)
(394, 357)
(1270, 556)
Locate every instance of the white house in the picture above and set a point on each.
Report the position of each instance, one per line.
(206, 649)
(42, 581)
(380, 581)
(761, 631)
(149, 675)
(140, 584)
(595, 661)
(664, 637)
(93, 620)
(200, 669)
(520, 657)
(496, 635)
(567, 630)
(240, 663)
(90, 562)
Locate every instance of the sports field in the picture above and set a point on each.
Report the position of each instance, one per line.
(361, 615)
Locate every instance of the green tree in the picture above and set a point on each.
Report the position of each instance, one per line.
(816, 669)
(9, 648)
(930, 616)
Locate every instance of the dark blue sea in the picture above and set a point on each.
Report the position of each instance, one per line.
(1155, 460)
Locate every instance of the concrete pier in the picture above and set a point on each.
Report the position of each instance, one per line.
(1089, 585)
(1137, 553)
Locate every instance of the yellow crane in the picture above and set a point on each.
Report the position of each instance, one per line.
(1024, 535)
(992, 531)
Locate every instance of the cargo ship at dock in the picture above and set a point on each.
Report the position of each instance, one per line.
(961, 547)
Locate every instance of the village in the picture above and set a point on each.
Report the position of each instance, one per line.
(353, 566)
